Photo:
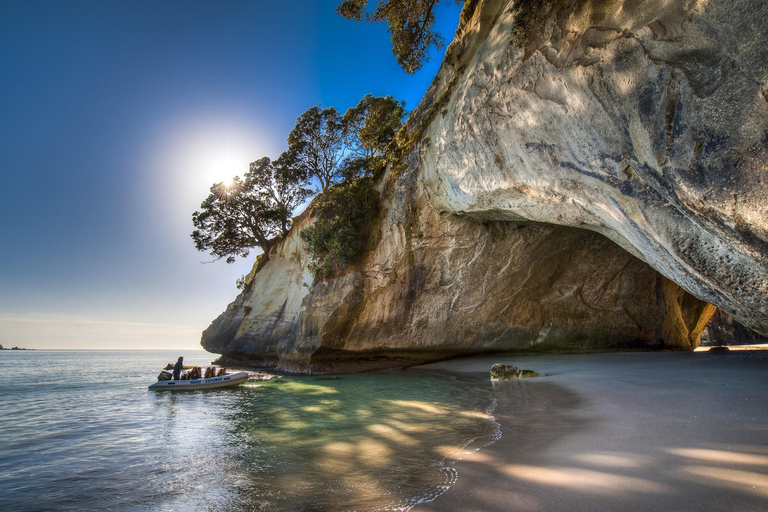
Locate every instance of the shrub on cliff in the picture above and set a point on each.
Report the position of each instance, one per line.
(344, 217)
(345, 213)
(341, 153)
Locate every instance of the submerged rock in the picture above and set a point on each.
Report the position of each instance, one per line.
(502, 371)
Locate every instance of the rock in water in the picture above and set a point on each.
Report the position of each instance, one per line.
(501, 371)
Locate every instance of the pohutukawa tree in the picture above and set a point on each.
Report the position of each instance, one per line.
(250, 212)
(369, 126)
(410, 26)
(256, 209)
(316, 145)
(281, 184)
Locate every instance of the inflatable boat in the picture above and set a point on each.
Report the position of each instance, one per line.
(231, 379)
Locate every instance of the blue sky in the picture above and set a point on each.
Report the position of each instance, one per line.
(115, 119)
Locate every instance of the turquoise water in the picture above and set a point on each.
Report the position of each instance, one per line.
(80, 431)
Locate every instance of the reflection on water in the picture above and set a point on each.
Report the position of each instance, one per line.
(362, 442)
(80, 431)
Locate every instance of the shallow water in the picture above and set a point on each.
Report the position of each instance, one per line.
(80, 431)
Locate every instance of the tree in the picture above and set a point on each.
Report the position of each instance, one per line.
(281, 185)
(251, 212)
(232, 221)
(369, 126)
(410, 24)
(315, 145)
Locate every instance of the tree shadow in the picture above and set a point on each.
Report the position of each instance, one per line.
(362, 442)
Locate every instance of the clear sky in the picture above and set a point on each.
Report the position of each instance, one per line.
(117, 116)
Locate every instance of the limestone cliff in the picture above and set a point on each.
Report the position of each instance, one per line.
(551, 127)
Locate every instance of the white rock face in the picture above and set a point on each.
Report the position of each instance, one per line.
(265, 313)
(643, 121)
(647, 123)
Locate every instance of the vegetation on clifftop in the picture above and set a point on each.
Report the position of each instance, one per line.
(343, 154)
(346, 212)
(250, 211)
(344, 218)
(410, 25)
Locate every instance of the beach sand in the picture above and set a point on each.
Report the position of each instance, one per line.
(620, 432)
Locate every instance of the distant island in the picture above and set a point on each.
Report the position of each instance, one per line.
(14, 348)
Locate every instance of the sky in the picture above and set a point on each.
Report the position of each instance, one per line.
(115, 119)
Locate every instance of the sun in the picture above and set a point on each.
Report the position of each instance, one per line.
(222, 168)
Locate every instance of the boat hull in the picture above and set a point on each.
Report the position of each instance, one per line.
(234, 379)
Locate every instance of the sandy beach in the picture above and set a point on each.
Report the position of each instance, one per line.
(620, 432)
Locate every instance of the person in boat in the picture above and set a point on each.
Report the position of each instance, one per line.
(177, 368)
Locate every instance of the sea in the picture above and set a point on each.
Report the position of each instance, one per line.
(79, 430)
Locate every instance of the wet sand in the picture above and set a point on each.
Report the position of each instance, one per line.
(620, 432)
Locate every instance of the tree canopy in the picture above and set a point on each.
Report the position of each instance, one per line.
(410, 25)
(316, 144)
(336, 150)
(251, 211)
(281, 185)
(369, 126)
(332, 147)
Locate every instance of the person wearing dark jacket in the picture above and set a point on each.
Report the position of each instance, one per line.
(177, 368)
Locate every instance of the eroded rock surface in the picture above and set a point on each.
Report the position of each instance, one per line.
(440, 285)
(722, 329)
(645, 122)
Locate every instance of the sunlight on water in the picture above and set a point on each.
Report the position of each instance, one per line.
(360, 442)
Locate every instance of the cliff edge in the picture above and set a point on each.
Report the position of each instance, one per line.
(581, 174)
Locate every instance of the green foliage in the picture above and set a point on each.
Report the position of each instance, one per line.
(282, 185)
(232, 220)
(342, 153)
(369, 126)
(344, 217)
(410, 24)
(345, 212)
(315, 145)
(251, 211)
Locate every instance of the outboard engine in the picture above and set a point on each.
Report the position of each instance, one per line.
(165, 375)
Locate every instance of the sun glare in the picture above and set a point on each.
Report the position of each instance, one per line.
(223, 168)
(199, 154)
